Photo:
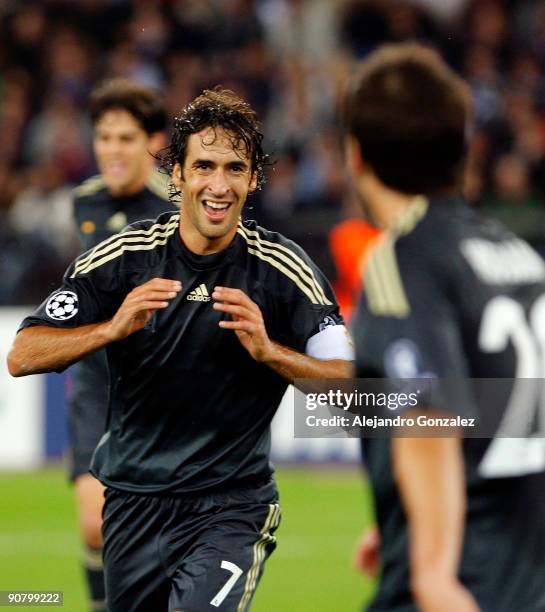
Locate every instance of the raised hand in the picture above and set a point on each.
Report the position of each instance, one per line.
(140, 304)
(247, 321)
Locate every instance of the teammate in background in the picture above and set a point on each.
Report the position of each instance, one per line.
(205, 319)
(447, 294)
(129, 122)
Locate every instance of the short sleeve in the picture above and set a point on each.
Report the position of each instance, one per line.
(310, 309)
(80, 300)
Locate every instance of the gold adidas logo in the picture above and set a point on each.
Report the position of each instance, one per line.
(199, 294)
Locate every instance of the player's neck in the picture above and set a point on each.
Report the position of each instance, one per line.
(130, 189)
(134, 186)
(201, 245)
(386, 204)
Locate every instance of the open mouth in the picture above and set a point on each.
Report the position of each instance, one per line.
(115, 169)
(216, 211)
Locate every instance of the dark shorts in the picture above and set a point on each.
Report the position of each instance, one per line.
(87, 411)
(188, 554)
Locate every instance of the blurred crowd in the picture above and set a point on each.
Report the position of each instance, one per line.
(290, 59)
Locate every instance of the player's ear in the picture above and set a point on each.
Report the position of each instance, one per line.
(354, 158)
(177, 176)
(253, 183)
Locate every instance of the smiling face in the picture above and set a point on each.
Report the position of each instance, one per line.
(122, 150)
(215, 180)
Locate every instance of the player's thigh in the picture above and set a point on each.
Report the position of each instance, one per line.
(90, 500)
(135, 578)
(226, 565)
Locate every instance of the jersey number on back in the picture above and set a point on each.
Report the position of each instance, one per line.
(504, 321)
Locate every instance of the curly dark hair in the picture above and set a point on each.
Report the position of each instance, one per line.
(217, 108)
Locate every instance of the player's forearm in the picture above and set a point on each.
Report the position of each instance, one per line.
(49, 349)
(291, 365)
(430, 476)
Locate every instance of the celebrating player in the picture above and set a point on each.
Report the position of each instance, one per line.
(205, 319)
(447, 294)
(129, 122)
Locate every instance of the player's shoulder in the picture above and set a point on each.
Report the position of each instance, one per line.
(498, 258)
(158, 186)
(89, 199)
(156, 225)
(259, 237)
(277, 255)
(89, 189)
(135, 247)
(417, 252)
(457, 242)
(427, 234)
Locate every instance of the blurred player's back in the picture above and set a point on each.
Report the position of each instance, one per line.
(453, 300)
(476, 295)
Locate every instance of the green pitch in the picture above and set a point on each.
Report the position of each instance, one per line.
(311, 570)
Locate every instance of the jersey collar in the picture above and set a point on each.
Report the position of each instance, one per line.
(206, 262)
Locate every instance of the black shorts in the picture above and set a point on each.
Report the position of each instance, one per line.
(191, 553)
(87, 411)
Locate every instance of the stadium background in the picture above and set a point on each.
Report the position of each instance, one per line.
(289, 58)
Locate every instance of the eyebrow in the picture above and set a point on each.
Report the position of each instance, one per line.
(237, 162)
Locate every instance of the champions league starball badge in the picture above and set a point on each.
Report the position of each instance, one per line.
(62, 305)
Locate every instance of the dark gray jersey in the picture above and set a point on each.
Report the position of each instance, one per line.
(189, 408)
(451, 295)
